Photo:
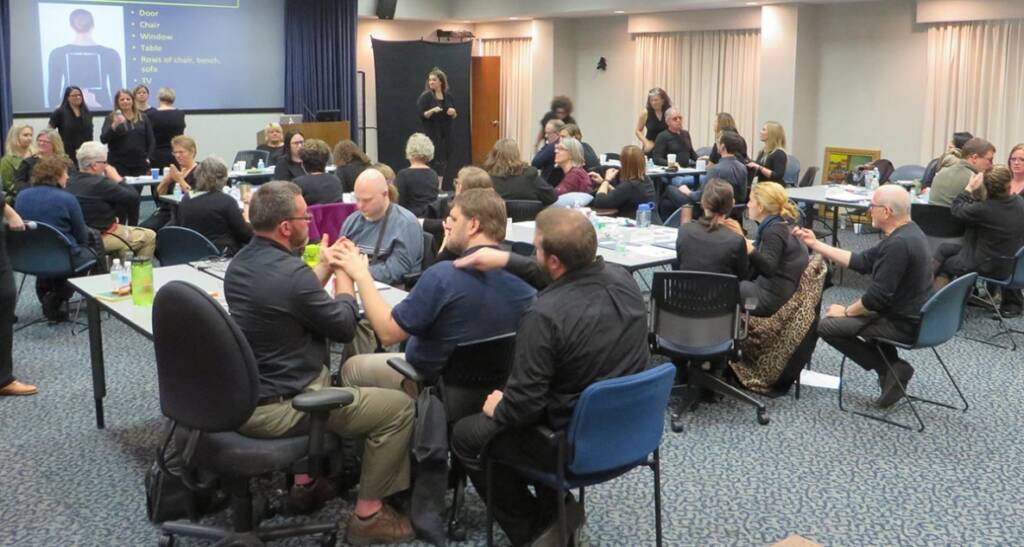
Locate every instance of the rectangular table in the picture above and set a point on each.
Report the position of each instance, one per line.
(818, 195)
(644, 247)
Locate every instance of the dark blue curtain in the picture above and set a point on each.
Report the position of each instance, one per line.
(320, 58)
(6, 107)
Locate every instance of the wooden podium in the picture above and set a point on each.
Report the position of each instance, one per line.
(330, 132)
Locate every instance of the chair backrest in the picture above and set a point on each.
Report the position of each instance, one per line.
(703, 151)
(1016, 281)
(206, 372)
(481, 363)
(942, 315)
(907, 172)
(178, 245)
(936, 220)
(674, 219)
(40, 250)
(252, 158)
(792, 174)
(695, 310)
(612, 155)
(618, 422)
(520, 210)
(809, 176)
(328, 218)
(521, 247)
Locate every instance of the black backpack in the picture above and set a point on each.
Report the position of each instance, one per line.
(173, 491)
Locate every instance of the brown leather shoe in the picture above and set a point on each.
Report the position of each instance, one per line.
(308, 498)
(16, 388)
(387, 526)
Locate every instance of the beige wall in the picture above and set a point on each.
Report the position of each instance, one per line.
(605, 106)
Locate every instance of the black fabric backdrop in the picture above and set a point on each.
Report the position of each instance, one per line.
(6, 110)
(401, 69)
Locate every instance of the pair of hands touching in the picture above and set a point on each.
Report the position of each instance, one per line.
(344, 257)
(604, 182)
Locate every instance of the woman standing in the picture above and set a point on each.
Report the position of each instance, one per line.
(652, 119)
(771, 161)
(141, 95)
(129, 136)
(8, 300)
(181, 173)
(168, 122)
(289, 167)
(19, 148)
(72, 120)
(437, 110)
(275, 143)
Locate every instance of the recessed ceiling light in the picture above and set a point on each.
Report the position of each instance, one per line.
(618, 11)
(751, 3)
(513, 18)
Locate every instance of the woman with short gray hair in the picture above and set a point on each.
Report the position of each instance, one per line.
(418, 184)
(168, 122)
(576, 188)
(211, 212)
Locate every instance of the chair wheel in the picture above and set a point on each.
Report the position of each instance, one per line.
(762, 418)
(457, 533)
(329, 540)
(166, 540)
(677, 426)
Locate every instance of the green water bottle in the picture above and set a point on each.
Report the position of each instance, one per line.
(142, 281)
(311, 255)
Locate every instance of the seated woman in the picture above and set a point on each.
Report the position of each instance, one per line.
(632, 186)
(46, 201)
(19, 148)
(714, 243)
(777, 258)
(213, 213)
(48, 143)
(513, 178)
(590, 160)
(575, 188)
(317, 186)
(182, 176)
(350, 161)
(274, 144)
(289, 167)
(417, 184)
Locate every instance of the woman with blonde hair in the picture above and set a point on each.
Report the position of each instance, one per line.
(48, 143)
(512, 177)
(777, 257)
(771, 161)
(274, 145)
(19, 148)
(128, 135)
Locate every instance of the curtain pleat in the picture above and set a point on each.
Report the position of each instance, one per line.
(975, 83)
(704, 73)
(516, 88)
(320, 58)
(6, 107)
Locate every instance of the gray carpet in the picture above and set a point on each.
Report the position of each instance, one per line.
(827, 475)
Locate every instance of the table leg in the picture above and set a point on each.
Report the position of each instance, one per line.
(835, 226)
(99, 375)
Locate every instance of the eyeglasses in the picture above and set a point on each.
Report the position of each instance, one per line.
(1017, 159)
(874, 205)
(307, 218)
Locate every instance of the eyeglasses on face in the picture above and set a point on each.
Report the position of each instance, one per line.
(306, 218)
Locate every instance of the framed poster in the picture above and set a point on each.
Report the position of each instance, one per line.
(840, 162)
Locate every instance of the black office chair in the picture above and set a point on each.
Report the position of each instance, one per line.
(696, 319)
(473, 371)
(209, 387)
(938, 224)
(520, 210)
(429, 256)
(179, 245)
(808, 178)
(252, 158)
(908, 172)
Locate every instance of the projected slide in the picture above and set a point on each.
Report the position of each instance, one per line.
(216, 54)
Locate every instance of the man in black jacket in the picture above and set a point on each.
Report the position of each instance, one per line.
(544, 159)
(675, 140)
(589, 324)
(105, 199)
(901, 278)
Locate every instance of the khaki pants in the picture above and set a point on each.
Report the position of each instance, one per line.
(383, 416)
(140, 241)
(371, 370)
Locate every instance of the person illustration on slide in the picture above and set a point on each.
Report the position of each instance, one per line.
(94, 68)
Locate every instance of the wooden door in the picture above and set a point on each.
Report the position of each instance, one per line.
(485, 98)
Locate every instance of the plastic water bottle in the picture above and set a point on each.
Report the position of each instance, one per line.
(125, 273)
(643, 215)
(875, 175)
(177, 192)
(115, 274)
(260, 165)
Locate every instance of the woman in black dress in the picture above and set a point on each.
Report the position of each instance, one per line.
(652, 119)
(72, 120)
(437, 110)
(8, 300)
(289, 167)
(168, 122)
(129, 137)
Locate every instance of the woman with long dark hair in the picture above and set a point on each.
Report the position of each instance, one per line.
(129, 135)
(652, 118)
(289, 167)
(437, 110)
(72, 120)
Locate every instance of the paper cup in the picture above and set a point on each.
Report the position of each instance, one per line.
(671, 159)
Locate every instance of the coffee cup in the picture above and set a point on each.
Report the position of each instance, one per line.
(671, 158)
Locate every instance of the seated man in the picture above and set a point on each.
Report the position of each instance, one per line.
(901, 277)
(544, 159)
(950, 181)
(589, 324)
(995, 228)
(674, 140)
(386, 232)
(282, 309)
(728, 168)
(104, 199)
(447, 306)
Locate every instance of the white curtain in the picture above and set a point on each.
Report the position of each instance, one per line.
(516, 89)
(704, 73)
(976, 84)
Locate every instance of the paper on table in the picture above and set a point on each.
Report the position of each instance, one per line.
(652, 251)
(817, 379)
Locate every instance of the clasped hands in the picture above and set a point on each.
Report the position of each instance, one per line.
(344, 257)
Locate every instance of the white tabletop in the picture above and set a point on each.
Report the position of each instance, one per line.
(642, 247)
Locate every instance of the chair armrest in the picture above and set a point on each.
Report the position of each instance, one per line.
(406, 369)
(409, 280)
(750, 303)
(322, 400)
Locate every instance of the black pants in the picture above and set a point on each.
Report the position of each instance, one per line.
(521, 515)
(1012, 299)
(672, 199)
(8, 300)
(845, 333)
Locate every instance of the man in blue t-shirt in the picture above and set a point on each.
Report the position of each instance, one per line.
(448, 306)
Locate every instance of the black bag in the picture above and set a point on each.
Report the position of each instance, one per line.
(168, 492)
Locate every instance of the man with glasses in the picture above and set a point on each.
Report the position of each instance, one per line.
(950, 181)
(281, 307)
(900, 273)
(544, 160)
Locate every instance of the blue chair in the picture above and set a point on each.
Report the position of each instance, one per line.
(673, 220)
(941, 317)
(176, 245)
(792, 174)
(1014, 282)
(703, 151)
(907, 172)
(616, 426)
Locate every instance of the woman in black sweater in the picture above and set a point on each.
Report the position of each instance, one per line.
(289, 167)
(72, 120)
(725, 122)
(318, 187)
(168, 122)
(417, 184)
(274, 145)
(714, 243)
(437, 111)
(513, 178)
(631, 189)
(128, 136)
(350, 162)
(211, 212)
(771, 161)
(777, 257)
(652, 120)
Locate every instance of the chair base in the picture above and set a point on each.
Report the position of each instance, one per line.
(328, 532)
(1004, 329)
(702, 379)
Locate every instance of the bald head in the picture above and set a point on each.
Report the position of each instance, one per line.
(371, 180)
(371, 194)
(895, 198)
